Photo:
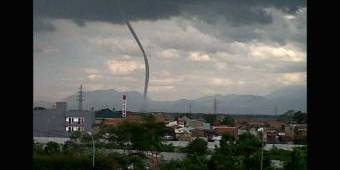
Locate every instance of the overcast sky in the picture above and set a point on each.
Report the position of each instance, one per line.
(196, 48)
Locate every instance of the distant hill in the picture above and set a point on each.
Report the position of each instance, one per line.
(291, 98)
(47, 105)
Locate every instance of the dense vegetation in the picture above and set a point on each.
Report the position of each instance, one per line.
(228, 120)
(292, 116)
(235, 154)
(71, 156)
(241, 154)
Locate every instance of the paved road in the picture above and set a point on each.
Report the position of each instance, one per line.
(167, 156)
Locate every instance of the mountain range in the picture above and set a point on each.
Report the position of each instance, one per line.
(289, 98)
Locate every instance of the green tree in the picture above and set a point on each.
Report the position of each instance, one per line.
(137, 160)
(225, 156)
(210, 118)
(300, 117)
(195, 162)
(172, 165)
(298, 160)
(75, 136)
(71, 148)
(198, 147)
(38, 148)
(228, 120)
(149, 118)
(248, 144)
(245, 153)
(52, 148)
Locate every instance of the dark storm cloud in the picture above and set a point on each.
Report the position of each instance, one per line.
(115, 11)
(40, 25)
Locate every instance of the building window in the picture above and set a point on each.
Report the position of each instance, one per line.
(68, 119)
(75, 119)
(68, 128)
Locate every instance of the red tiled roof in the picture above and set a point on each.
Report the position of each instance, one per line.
(221, 130)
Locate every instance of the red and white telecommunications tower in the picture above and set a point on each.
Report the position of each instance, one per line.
(124, 106)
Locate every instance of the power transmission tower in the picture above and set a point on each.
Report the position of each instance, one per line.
(215, 105)
(80, 98)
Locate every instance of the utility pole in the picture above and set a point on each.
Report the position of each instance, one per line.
(275, 110)
(93, 149)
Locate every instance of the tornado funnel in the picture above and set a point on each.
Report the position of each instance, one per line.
(146, 64)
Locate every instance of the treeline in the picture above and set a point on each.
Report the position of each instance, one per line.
(242, 154)
(235, 154)
(71, 156)
(292, 116)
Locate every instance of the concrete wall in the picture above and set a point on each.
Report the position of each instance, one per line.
(287, 147)
(48, 123)
(50, 139)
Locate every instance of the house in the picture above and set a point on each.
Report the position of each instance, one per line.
(197, 133)
(169, 134)
(180, 121)
(171, 124)
(252, 131)
(183, 134)
(206, 126)
(222, 130)
(107, 114)
(116, 119)
(194, 124)
(276, 124)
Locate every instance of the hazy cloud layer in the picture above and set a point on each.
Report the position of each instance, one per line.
(195, 48)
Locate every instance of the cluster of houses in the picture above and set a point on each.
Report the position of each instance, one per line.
(276, 132)
(60, 122)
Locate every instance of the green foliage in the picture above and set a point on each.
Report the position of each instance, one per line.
(167, 148)
(298, 159)
(71, 148)
(279, 154)
(300, 117)
(38, 148)
(172, 165)
(197, 147)
(210, 118)
(195, 162)
(245, 153)
(292, 116)
(300, 139)
(83, 162)
(228, 120)
(138, 161)
(52, 148)
(149, 118)
(75, 136)
(140, 136)
(248, 144)
(71, 159)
